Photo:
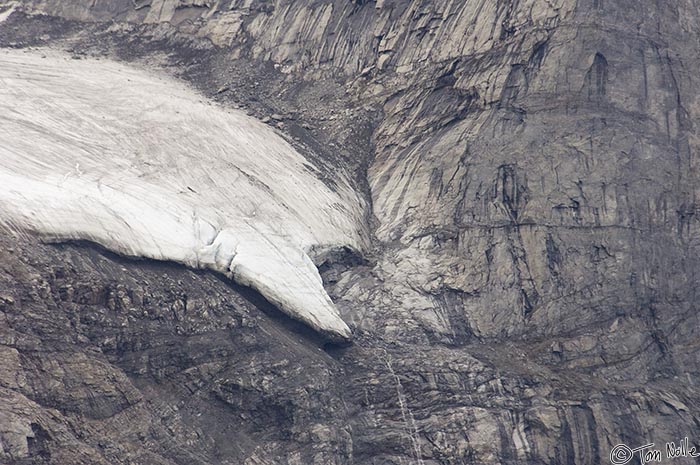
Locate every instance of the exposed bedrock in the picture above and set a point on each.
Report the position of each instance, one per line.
(531, 170)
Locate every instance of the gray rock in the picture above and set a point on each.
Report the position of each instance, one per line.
(531, 296)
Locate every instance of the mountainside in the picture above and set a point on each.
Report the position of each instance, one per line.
(519, 251)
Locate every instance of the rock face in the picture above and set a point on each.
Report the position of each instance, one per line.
(531, 168)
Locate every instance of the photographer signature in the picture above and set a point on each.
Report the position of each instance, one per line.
(622, 454)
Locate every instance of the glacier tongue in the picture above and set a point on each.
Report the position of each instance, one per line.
(137, 162)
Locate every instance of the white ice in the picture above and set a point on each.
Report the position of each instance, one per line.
(142, 165)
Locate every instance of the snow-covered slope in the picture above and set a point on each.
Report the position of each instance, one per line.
(139, 163)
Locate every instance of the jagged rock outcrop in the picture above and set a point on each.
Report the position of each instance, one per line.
(531, 168)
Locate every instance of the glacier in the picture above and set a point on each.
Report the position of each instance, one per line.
(143, 165)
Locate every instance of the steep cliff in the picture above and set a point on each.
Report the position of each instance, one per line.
(530, 171)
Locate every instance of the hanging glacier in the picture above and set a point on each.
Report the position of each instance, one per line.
(144, 166)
